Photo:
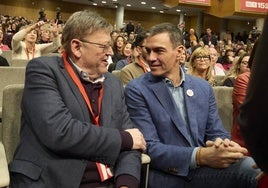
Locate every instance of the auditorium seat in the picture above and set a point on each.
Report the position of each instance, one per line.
(11, 123)
(4, 174)
(224, 102)
(19, 62)
(10, 75)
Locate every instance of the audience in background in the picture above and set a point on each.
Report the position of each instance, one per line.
(200, 65)
(3, 47)
(127, 53)
(139, 66)
(209, 38)
(118, 45)
(241, 66)
(227, 58)
(24, 42)
(217, 68)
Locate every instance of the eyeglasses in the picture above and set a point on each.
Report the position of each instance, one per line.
(105, 47)
(205, 58)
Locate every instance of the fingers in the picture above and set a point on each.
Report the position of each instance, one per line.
(260, 175)
(218, 142)
(139, 142)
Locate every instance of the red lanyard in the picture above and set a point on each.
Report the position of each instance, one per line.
(82, 89)
(142, 65)
(28, 53)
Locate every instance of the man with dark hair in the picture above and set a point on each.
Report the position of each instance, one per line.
(178, 116)
(139, 65)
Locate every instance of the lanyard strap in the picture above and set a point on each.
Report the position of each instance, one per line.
(104, 171)
(82, 89)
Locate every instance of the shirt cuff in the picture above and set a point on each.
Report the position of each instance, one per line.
(127, 180)
(193, 164)
(127, 142)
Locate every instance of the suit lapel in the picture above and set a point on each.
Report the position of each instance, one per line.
(164, 97)
(106, 103)
(190, 107)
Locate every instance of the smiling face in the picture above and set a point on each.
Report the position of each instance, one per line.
(162, 57)
(200, 60)
(92, 52)
(31, 36)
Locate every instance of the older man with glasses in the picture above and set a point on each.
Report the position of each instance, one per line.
(76, 131)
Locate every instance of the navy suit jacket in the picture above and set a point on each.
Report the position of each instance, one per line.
(58, 137)
(153, 110)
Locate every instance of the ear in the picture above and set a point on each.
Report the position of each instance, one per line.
(138, 49)
(180, 50)
(76, 48)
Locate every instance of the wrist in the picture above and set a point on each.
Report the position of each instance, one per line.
(199, 156)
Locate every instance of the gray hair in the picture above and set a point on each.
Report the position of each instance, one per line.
(80, 24)
(174, 33)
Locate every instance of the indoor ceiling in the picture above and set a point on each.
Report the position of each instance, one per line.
(141, 5)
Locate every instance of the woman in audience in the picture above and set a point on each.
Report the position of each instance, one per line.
(217, 68)
(241, 66)
(24, 43)
(3, 47)
(227, 58)
(200, 65)
(127, 52)
(118, 51)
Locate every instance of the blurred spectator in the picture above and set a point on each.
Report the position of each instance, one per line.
(209, 38)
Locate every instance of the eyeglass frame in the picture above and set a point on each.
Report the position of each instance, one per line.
(105, 47)
(205, 58)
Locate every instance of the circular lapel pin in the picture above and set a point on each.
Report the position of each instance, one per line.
(189, 92)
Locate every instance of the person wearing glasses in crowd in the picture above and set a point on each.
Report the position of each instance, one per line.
(178, 116)
(76, 131)
(201, 66)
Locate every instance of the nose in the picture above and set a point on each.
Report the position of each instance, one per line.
(109, 51)
(151, 56)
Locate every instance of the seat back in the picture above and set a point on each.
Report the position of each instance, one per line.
(19, 62)
(11, 119)
(224, 101)
(8, 55)
(10, 75)
(219, 79)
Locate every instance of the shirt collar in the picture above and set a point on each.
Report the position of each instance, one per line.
(170, 82)
(84, 75)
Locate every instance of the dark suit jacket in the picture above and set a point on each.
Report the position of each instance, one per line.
(154, 112)
(57, 134)
(253, 112)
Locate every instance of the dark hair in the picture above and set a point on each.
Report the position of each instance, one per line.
(252, 54)
(139, 39)
(174, 33)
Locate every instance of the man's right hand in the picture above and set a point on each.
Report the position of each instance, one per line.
(139, 142)
(221, 155)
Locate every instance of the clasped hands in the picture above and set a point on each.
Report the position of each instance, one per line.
(220, 153)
